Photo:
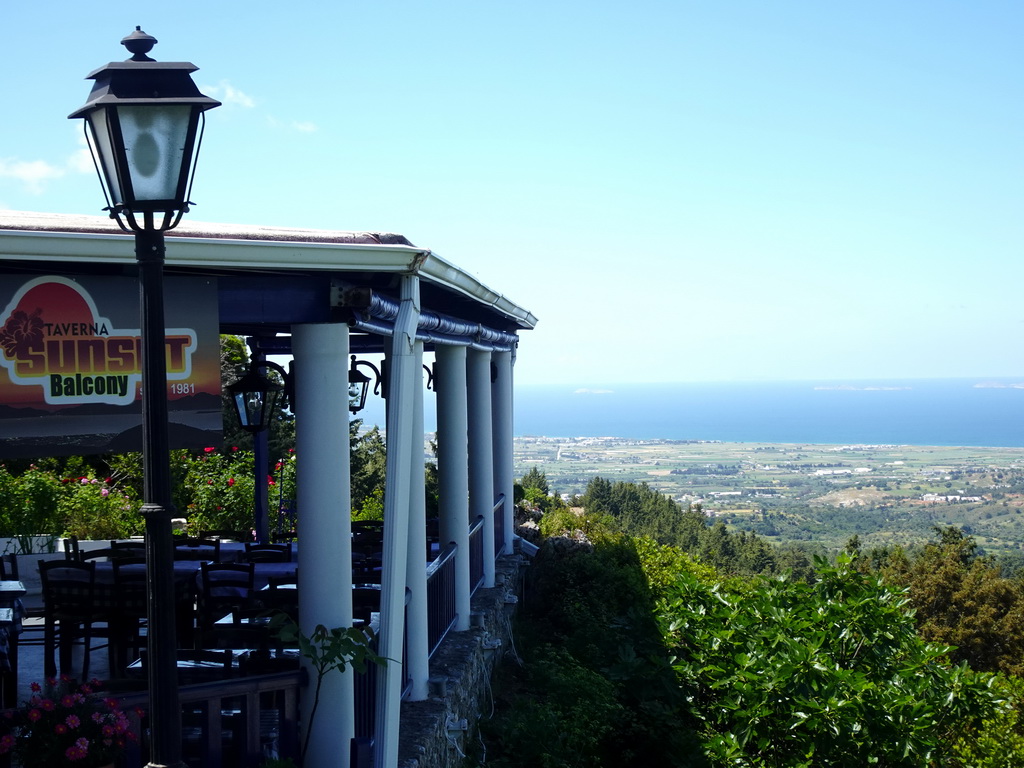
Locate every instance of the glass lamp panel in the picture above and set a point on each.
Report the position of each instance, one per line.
(155, 140)
(250, 407)
(99, 123)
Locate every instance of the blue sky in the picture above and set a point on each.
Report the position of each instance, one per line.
(680, 191)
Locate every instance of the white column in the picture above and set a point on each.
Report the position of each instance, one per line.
(403, 373)
(325, 549)
(481, 463)
(453, 467)
(418, 652)
(501, 404)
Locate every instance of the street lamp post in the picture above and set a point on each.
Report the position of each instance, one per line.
(142, 121)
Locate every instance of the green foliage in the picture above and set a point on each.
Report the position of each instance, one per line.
(372, 507)
(94, 508)
(785, 673)
(29, 506)
(220, 489)
(962, 599)
(999, 741)
(662, 565)
(638, 510)
(326, 650)
(597, 689)
(568, 726)
(368, 461)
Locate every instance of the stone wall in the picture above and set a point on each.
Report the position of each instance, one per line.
(434, 732)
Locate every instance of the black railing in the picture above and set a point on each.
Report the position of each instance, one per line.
(476, 555)
(499, 525)
(238, 722)
(441, 615)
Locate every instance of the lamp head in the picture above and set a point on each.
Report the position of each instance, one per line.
(143, 123)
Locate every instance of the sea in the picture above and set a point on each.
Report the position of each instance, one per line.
(947, 412)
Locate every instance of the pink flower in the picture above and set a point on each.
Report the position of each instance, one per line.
(35, 687)
(209, 449)
(60, 729)
(34, 715)
(48, 705)
(72, 721)
(105, 492)
(6, 743)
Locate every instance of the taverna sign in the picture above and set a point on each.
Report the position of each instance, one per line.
(71, 364)
(55, 339)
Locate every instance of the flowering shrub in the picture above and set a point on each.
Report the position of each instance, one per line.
(220, 490)
(65, 724)
(94, 508)
(213, 490)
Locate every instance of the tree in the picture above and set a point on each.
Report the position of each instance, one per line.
(962, 599)
(786, 674)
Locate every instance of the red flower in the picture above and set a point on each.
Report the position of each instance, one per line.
(231, 481)
(209, 449)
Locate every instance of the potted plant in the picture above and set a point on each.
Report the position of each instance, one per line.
(65, 724)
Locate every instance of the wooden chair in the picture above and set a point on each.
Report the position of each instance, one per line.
(127, 549)
(128, 619)
(284, 537)
(226, 535)
(267, 553)
(280, 596)
(197, 549)
(365, 600)
(223, 588)
(103, 553)
(71, 613)
(9, 567)
(71, 548)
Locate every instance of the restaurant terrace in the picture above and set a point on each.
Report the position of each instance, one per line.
(321, 298)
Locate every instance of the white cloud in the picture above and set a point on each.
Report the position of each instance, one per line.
(228, 94)
(33, 173)
(81, 160)
(301, 126)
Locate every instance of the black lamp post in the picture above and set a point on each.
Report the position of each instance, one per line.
(142, 119)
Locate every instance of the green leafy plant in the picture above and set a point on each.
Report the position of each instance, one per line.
(29, 508)
(785, 673)
(327, 650)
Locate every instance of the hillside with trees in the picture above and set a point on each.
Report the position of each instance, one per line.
(649, 636)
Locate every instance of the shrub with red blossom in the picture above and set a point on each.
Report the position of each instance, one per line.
(65, 724)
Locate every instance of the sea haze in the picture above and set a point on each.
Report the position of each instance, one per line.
(970, 412)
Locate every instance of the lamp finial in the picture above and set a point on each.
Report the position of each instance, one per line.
(139, 44)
